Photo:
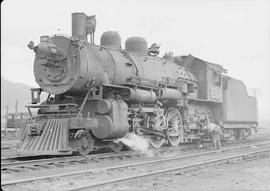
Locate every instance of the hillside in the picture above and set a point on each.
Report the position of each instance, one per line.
(10, 92)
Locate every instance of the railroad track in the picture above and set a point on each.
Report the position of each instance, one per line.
(13, 165)
(7, 145)
(254, 138)
(134, 170)
(16, 162)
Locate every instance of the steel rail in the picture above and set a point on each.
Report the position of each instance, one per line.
(5, 165)
(125, 165)
(14, 164)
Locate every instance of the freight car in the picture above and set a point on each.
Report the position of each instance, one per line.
(99, 93)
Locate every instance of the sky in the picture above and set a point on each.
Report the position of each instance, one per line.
(235, 34)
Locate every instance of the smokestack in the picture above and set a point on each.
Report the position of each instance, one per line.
(79, 26)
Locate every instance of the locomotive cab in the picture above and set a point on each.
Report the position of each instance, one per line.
(209, 78)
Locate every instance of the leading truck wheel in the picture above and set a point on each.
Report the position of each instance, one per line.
(175, 128)
(85, 142)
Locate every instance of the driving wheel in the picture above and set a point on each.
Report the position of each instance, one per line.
(156, 122)
(175, 128)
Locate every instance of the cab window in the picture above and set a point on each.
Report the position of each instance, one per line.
(216, 78)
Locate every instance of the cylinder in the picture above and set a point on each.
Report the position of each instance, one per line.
(104, 106)
(79, 26)
(105, 127)
(115, 123)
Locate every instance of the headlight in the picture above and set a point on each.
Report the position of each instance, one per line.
(44, 38)
(53, 50)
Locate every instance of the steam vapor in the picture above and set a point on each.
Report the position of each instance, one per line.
(137, 143)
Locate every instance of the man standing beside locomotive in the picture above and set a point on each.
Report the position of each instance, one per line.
(213, 131)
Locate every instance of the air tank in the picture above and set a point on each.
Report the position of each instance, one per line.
(169, 93)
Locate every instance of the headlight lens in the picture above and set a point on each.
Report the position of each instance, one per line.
(44, 38)
(53, 50)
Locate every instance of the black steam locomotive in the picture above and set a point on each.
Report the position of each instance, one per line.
(99, 93)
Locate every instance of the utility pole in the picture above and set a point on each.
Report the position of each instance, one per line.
(7, 108)
(255, 92)
(16, 107)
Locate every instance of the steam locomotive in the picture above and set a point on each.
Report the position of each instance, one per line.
(99, 93)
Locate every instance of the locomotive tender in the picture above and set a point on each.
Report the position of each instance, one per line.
(99, 93)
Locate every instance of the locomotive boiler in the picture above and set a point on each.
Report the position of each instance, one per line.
(99, 93)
